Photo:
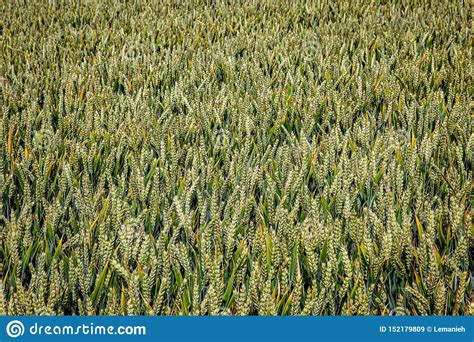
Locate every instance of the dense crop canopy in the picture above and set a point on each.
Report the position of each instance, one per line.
(236, 158)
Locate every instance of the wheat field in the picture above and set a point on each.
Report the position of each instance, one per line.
(236, 157)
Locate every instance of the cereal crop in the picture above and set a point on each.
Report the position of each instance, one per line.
(236, 157)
